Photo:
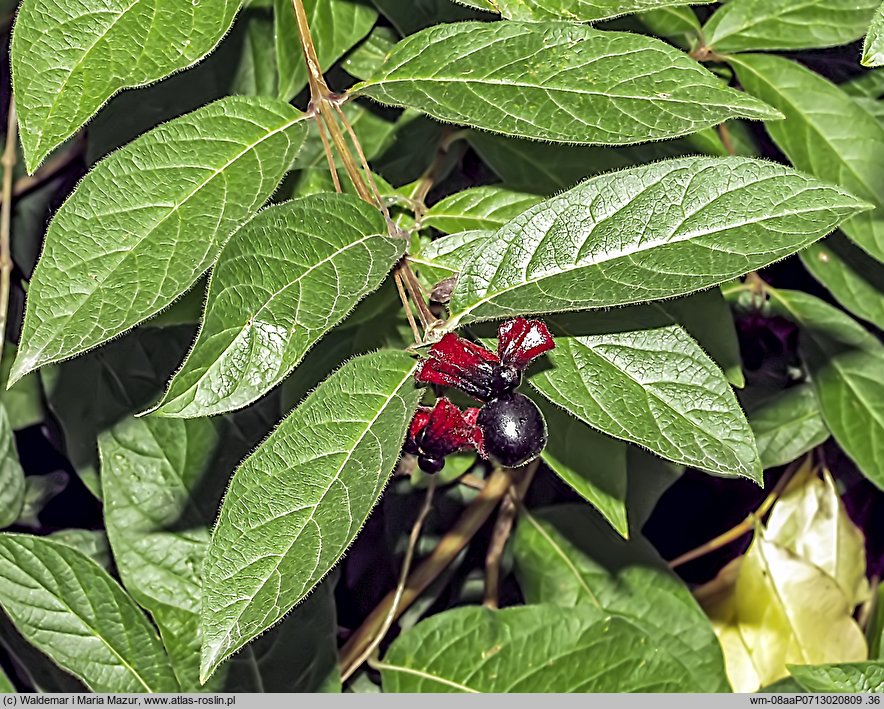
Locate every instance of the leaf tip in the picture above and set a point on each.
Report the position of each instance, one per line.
(23, 365)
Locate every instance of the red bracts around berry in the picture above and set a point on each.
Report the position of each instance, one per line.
(519, 341)
(511, 430)
(437, 432)
(459, 363)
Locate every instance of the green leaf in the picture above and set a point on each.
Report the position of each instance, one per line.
(285, 279)
(335, 25)
(453, 251)
(24, 401)
(825, 133)
(162, 481)
(298, 502)
(742, 25)
(143, 226)
(40, 490)
(492, 651)
(579, 10)
(478, 208)
(89, 542)
(707, 318)
(36, 668)
(367, 58)
(256, 73)
(68, 58)
(853, 278)
(90, 394)
(787, 426)
(12, 477)
(593, 464)
(150, 472)
(564, 555)
(68, 607)
(628, 236)
(635, 375)
(873, 46)
(846, 364)
(6, 686)
(555, 81)
(677, 24)
(846, 678)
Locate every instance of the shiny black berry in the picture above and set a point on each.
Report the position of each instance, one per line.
(430, 465)
(513, 430)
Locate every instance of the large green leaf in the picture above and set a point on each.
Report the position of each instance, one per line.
(707, 318)
(846, 364)
(12, 477)
(90, 394)
(579, 10)
(561, 82)
(478, 208)
(69, 58)
(538, 648)
(637, 376)
(873, 46)
(855, 279)
(787, 426)
(846, 678)
(162, 480)
(825, 133)
(563, 555)
(71, 609)
(335, 25)
(298, 502)
(593, 464)
(147, 221)
(742, 25)
(285, 279)
(646, 233)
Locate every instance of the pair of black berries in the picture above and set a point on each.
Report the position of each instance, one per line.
(508, 428)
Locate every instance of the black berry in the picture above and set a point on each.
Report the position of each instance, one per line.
(430, 465)
(513, 430)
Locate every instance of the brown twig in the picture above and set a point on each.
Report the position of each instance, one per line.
(49, 170)
(726, 140)
(400, 587)
(397, 279)
(503, 527)
(428, 570)
(8, 161)
(748, 524)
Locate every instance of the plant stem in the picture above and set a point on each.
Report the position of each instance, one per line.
(8, 162)
(725, 135)
(400, 587)
(447, 550)
(506, 517)
(318, 88)
(748, 524)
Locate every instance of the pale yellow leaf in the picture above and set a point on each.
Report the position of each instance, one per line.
(783, 610)
(810, 521)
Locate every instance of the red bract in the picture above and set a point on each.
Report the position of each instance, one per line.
(459, 363)
(519, 341)
(437, 432)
